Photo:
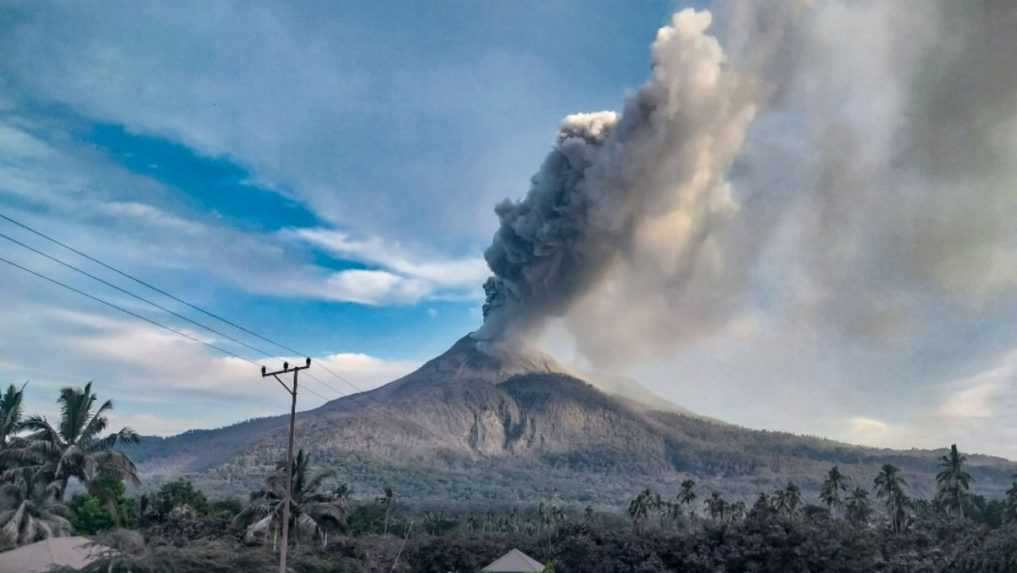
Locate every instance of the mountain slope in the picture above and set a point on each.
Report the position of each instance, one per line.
(505, 426)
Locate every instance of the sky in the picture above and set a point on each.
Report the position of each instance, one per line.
(326, 174)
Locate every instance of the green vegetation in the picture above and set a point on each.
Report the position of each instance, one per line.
(37, 461)
(104, 507)
(313, 513)
(854, 523)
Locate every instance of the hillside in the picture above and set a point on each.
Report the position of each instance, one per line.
(483, 424)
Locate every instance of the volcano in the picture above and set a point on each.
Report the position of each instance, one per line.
(486, 422)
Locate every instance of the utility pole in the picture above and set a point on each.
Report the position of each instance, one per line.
(289, 452)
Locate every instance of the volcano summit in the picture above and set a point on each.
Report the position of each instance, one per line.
(487, 423)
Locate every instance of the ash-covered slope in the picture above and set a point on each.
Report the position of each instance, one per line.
(502, 422)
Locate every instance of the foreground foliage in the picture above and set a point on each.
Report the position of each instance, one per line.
(36, 468)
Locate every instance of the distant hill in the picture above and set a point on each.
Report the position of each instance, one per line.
(484, 424)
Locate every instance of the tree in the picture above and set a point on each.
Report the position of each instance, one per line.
(737, 511)
(834, 486)
(953, 481)
(103, 510)
(175, 494)
(687, 495)
(857, 508)
(77, 448)
(716, 507)
(387, 500)
(11, 422)
(103, 507)
(11, 412)
(29, 511)
(640, 506)
(786, 501)
(889, 487)
(1010, 514)
(762, 508)
(311, 512)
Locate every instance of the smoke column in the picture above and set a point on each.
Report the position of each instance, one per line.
(644, 190)
(848, 162)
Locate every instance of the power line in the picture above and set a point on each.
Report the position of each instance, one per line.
(343, 378)
(138, 316)
(124, 310)
(147, 284)
(161, 307)
(133, 295)
(173, 297)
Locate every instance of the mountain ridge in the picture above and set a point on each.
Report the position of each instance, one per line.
(480, 411)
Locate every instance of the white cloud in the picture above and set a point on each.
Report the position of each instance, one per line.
(867, 429)
(227, 82)
(160, 383)
(126, 219)
(980, 396)
(375, 287)
(150, 215)
(463, 273)
(405, 277)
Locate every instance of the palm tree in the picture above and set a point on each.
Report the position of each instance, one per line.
(716, 506)
(1010, 511)
(953, 481)
(11, 423)
(29, 511)
(787, 500)
(857, 508)
(639, 507)
(833, 487)
(687, 495)
(77, 449)
(311, 512)
(387, 500)
(890, 486)
(10, 413)
(737, 511)
(763, 506)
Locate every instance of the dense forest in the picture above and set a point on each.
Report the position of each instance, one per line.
(71, 478)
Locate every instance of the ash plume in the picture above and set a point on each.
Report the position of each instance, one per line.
(631, 200)
(855, 157)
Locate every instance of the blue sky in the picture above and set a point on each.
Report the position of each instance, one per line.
(193, 146)
(325, 173)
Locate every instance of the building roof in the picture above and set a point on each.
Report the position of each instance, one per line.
(42, 556)
(514, 561)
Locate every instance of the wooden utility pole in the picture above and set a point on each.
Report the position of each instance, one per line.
(289, 452)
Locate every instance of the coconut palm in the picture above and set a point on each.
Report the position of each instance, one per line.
(387, 500)
(953, 481)
(77, 448)
(687, 495)
(1010, 508)
(29, 511)
(311, 512)
(889, 487)
(834, 486)
(716, 506)
(11, 422)
(737, 511)
(786, 501)
(857, 508)
(11, 411)
(640, 506)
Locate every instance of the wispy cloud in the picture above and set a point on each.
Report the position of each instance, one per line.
(402, 277)
(162, 383)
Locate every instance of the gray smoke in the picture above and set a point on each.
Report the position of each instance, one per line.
(851, 160)
(645, 189)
